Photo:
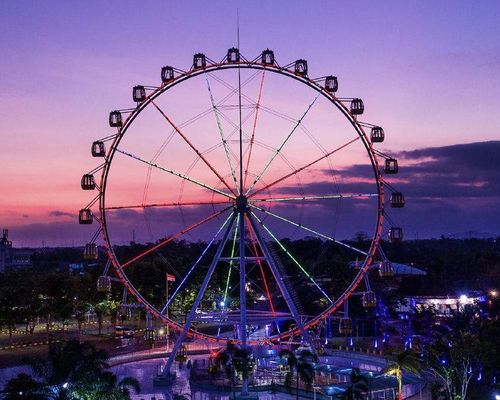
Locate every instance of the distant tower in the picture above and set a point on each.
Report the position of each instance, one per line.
(10, 257)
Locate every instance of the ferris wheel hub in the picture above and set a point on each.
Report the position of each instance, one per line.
(241, 202)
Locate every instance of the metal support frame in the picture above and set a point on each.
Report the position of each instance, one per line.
(191, 315)
(243, 295)
(279, 281)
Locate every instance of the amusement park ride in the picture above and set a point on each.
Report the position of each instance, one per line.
(237, 160)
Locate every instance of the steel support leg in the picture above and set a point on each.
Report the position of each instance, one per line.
(243, 297)
(192, 312)
(279, 281)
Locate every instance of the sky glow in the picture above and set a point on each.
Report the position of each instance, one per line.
(428, 72)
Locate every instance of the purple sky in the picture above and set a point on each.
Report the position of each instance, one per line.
(428, 72)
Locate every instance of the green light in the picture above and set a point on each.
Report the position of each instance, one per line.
(293, 258)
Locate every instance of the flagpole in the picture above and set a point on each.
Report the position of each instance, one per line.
(166, 310)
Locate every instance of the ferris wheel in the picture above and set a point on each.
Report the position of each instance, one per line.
(263, 172)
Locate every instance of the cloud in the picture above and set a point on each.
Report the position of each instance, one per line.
(57, 213)
(448, 189)
(464, 170)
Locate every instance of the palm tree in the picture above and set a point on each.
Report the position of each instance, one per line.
(68, 363)
(106, 386)
(359, 386)
(24, 387)
(302, 366)
(403, 361)
(244, 363)
(75, 370)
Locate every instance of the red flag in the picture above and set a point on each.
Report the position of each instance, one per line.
(170, 277)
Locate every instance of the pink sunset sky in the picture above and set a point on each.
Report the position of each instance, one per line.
(428, 72)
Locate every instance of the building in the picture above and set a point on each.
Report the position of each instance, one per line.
(11, 257)
(443, 306)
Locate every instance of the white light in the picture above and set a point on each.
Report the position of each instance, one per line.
(65, 385)
(222, 304)
(463, 298)
(497, 397)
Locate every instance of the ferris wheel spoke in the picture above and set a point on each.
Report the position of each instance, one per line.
(261, 268)
(279, 281)
(278, 150)
(178, 174)
(196, 263)
(184, 137)
(199, 296)
(307, 229)
(173, 237)
(234, 90)
(221, 132)
(319, 197)
(295, 172)
(252, 138)
(174, 204)
(294, 260)
(230, 268)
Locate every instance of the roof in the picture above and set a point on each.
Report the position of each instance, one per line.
(399, 269)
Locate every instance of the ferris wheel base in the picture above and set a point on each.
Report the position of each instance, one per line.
(164, 380)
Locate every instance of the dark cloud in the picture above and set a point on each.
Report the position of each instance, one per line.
(448, 189)
(465, 170)
(57, 213)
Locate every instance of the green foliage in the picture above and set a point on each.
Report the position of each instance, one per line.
(72, 371)
(243, 361)
(24, 387)
(401, 362)
(358, 387)
(302, 366)
(463, 346)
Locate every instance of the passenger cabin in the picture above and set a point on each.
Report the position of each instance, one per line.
(377, 134)
(369, 299)
(88, 182)
(199, 61)
(345, 326)
(301, 67)
(391, 166)
(104, 284)
(331, 84)
(397, 200)
(85, 216)
(115, 119)
(139, 93)
(98, 149)
(233, 55)
(395, 234)
(357, 107)
(90, 252)
(267, 57)
(385, 269)
(167, 74)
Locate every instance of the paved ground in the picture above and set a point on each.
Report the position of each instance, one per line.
(144, 371)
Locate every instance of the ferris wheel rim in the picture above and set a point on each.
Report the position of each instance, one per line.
(251, 66)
